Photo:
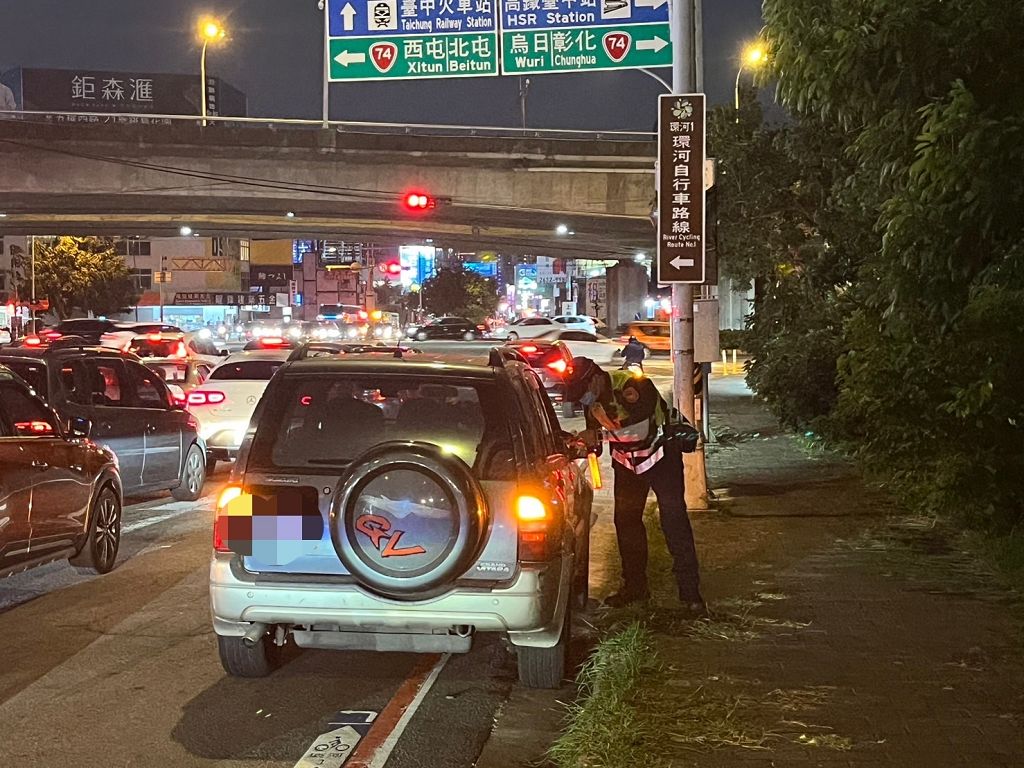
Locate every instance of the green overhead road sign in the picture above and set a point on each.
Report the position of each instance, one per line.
(586, 49)
(412, 39)
(414, 56)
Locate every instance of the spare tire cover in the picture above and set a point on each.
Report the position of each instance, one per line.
(408, 519)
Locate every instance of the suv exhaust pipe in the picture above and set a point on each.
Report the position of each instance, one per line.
(253, 634)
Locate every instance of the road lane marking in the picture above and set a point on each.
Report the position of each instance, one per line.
(376, 748)
(170, 510)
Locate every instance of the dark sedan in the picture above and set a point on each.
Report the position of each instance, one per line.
(60, 494)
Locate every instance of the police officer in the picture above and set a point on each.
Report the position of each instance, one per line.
(647, 440)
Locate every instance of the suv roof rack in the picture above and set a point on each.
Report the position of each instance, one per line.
(499, 356)
(302, 352)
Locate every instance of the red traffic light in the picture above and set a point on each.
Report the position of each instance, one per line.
(417, 201)
(392, 268)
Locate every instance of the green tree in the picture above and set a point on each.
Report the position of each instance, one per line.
(81, 273)
(779, 228)
(929, 388)
(458, 291)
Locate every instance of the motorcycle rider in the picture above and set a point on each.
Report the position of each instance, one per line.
(634, 353)
(647, 439)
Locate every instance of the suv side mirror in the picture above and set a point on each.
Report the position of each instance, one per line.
(575, 448)
(79, 427)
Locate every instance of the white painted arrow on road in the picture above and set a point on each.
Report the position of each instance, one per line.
(650, 3)
(679, 262)
(345, 58)
(349, 14)
(651, 45)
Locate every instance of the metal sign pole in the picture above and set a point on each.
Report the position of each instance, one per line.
(327, 65)
(681, 21)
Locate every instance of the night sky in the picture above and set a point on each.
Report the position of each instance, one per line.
(275, 57)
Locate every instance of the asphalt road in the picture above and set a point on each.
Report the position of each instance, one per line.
(122, 670)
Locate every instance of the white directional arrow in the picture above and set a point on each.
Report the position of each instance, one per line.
(349, 14)
(345, 58)
(650, 3)
(679, 262)
(651, 45)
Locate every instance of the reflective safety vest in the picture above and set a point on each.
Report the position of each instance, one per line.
(638, 444)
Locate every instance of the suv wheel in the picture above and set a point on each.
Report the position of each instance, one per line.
(545, 667)
(193, 475)
(241, 660)
(100, 548)
(469, 336)
(512, 336)
(421, 336)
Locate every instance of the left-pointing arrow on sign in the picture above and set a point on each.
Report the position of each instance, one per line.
(655, 44)
(679, 262)
(349, 15)
(345, 58)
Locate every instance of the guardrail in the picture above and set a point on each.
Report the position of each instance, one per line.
(341, 126)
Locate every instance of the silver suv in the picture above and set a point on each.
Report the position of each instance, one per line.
(391, 504)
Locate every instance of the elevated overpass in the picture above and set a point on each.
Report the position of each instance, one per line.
(508, 193)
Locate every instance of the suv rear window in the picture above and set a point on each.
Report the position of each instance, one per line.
(326, 421)
(163, 348)
(247, 370)
(72, 327)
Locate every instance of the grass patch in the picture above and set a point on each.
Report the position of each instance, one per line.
(607, 727)
(1005, 553)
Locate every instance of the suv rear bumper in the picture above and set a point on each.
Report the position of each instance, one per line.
(529, 609)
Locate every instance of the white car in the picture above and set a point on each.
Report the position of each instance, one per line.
(198, 345)
(224, 403)
(525, 328)
(122, 334)
(583, 344)
(576, 323)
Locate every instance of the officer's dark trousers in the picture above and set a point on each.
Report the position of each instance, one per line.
(666, 480)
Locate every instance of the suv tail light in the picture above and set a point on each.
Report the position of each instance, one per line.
(155, 337)
(206, 398)
(534, 524)
(33, 341)
(528, 349)
(180, 351)
(233, 520)
(559, 366)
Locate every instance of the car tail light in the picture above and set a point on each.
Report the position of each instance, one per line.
(534, 525)
(155, 337)
(558, 366)
(180, 351)
(206, 398)
(528, 349)
(33, 341)
(33, 428)
(233, 521)
(52, 335)
(272, 341)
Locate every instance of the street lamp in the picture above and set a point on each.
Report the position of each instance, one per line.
(210, 31)
(754, 57)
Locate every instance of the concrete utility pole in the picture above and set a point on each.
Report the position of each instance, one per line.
(684, 59)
